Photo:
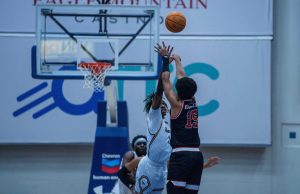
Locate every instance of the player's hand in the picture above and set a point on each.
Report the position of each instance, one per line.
(164, 50)
(212, 161)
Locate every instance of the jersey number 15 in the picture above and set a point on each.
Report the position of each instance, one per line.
(192, 119)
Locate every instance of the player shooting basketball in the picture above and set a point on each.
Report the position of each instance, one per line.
(150, 176)
(186, 161)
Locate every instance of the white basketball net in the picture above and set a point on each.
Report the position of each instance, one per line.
(94, 75)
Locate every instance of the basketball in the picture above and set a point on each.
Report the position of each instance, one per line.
(175, 21)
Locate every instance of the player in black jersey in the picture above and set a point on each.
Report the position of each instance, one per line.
(186, 161)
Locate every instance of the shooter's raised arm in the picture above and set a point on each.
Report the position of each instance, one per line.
(165, 52)
(180, 73)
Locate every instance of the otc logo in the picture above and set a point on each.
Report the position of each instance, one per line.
(59, 100)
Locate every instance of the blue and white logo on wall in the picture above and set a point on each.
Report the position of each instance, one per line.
(64, 105)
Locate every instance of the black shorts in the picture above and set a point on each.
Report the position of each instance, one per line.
(185, 170)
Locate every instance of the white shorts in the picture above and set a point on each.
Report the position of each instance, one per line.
(150, 177)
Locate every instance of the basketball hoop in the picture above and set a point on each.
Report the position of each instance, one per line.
(94, 74)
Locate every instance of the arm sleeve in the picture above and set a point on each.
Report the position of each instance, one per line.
(124, 176)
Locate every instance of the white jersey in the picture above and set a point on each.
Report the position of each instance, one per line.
(158, 136)
(151, 171)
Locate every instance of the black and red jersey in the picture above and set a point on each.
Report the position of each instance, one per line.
(184, 126)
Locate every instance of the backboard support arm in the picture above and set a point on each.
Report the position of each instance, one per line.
(70, 35)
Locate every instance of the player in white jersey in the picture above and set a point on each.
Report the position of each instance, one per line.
(151, 171)
(150, 174)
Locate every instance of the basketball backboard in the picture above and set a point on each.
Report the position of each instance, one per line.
(124, 36)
